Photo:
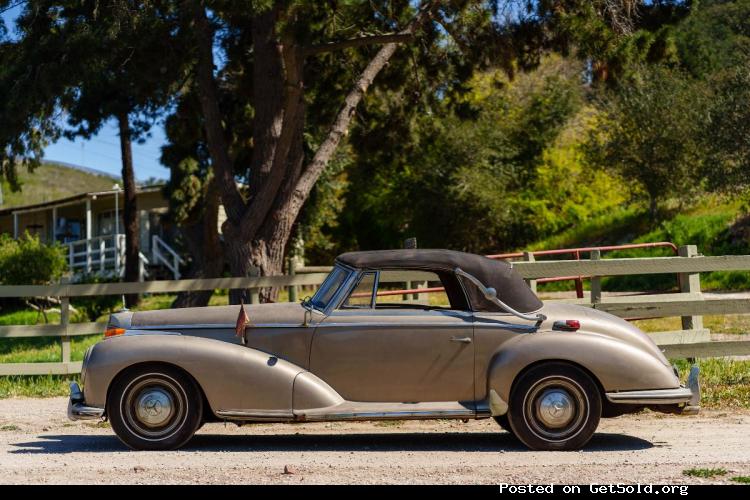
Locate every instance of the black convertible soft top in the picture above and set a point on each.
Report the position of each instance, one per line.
(511, 288)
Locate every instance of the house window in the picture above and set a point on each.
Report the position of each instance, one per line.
(106, 222)
(67, 230)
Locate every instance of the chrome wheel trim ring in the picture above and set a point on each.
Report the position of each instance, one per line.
(565, 425)
(137, 390)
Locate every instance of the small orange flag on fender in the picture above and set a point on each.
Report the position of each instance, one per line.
(242, 321)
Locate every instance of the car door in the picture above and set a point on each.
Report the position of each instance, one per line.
(375, 352)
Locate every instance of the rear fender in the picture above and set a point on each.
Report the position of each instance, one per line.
(231, 376)
(617, 365)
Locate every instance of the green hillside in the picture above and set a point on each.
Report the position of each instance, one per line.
(718, 225)
(53, 181)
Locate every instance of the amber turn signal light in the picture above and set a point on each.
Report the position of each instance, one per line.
(112, 332)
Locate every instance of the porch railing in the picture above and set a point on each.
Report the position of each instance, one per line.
(163, 254)
(97, 255)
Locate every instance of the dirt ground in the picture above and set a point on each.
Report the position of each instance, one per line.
(39, 445)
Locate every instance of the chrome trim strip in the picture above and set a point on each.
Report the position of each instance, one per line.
(396, 415)
(374, 324)
(192, 326)
(654, 396)
(222, 326)
(256, 415)
(148, 331)
(277, 415)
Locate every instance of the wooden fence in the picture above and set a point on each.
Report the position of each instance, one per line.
(691, 341)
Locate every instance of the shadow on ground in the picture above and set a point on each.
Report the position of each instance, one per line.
(452, 441)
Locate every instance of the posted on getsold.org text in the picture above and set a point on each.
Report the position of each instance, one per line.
(593, 489)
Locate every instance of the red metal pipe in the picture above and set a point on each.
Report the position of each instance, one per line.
(575, 251)
(604, 248)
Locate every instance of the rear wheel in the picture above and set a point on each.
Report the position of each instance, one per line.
(154, 408)
(555, 406)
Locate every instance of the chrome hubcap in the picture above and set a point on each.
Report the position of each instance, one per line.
(154, 407)
(555, 408)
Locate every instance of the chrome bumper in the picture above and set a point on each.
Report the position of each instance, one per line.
(688, 398)
(77, 409)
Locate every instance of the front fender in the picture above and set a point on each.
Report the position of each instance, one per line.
(232, 376)
(617, 365)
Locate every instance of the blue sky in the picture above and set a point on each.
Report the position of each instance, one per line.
(103, 151)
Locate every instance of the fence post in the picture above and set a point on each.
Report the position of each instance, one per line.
(596, 281)
(690, 283)
(407, 285)
(64, 321)
(529, 257)
(292, 288)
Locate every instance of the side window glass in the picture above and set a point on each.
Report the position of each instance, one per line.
(427, 290)
(362, 295)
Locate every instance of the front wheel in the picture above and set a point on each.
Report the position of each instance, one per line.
(504, 423)
(154, 408)
(555, 406)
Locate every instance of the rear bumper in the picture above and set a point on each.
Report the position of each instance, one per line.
(683, 400)
(77, 409)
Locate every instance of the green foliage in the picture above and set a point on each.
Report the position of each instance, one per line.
(36, 386)
(28, 261)
(714, 37)
(496, 165)
(650, 134)
(727, 136)
(724, 382)
(708, 473)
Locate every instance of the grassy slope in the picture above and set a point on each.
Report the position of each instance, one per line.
(51, 182)
(716, 225)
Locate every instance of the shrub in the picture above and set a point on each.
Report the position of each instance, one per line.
(28, 261)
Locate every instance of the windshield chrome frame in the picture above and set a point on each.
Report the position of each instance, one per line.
(351, 277)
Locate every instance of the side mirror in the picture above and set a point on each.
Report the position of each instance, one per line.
(490, 293)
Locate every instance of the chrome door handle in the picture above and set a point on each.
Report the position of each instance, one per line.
(463, 340)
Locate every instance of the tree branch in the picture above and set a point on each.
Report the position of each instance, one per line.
(358, 42)
(340, 125)
(209, 100)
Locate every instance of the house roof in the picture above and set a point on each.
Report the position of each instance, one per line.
(510, 287)
(72, 199)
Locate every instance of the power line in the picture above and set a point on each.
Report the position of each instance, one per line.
(11, 7)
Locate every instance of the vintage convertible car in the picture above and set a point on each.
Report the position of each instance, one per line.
(360, 350)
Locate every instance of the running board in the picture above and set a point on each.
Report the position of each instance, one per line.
(349, 410)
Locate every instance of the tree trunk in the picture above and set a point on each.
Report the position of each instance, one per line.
(130, 210)
(257, 230)
(653, 207)
(204, 245)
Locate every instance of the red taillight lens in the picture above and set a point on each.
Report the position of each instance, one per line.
(569, 325)
(112, 332)
(573, 324)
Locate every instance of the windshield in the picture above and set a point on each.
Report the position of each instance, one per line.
(328, 289)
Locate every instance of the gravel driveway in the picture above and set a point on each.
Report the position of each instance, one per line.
(39, 445)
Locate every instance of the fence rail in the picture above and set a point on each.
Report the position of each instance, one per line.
(692, 341)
